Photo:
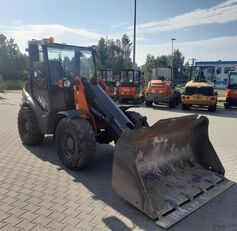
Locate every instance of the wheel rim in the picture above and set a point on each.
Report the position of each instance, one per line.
(25, 128)
(67, 145)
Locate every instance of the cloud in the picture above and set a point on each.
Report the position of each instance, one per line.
(62, 34)
(221, 13)
(223, 48)
(115, 26)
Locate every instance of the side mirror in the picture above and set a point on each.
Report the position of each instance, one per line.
(33, 52)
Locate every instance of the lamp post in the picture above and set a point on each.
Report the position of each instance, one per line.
(172, 54)
(134, 34)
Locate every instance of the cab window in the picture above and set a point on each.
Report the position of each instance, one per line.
(39, 71)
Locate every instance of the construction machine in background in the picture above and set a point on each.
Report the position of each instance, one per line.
(161, 89)
(131, 86)
(107, 82)
(231, 91)
(200, 90)
(168, 170)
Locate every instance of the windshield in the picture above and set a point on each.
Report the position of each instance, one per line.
(233, 79)
(86, 64)
(202, 73)
(109, 75)
(127, 77)
(106, 75)
(161, 73)
(69, 62)
(136, 77)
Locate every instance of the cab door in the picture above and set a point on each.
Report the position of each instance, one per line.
(39, 81)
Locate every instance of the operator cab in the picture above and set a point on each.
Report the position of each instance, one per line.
(232, 80)
(105, 74)
(131, 78)
(162, 73)
(53, 68)
(202, 74)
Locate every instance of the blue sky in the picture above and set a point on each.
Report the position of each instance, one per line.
(206, 30)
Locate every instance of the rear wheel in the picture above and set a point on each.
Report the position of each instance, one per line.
(122, 100)
(227, 106)
(28, 128)
(148, 103)
(172, 103)
(178, 100)
(137, 119)
(185, 106)
(212, 108)
(75, 142)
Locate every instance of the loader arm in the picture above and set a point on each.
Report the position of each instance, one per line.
(101, 106)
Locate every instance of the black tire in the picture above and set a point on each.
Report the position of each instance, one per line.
(28, 128)
(185, 106)
(75, 143)
(137, 119)
(178, 100)
(122, 101)
(172, 103)
(212, 108)
(148, 103)
(226, 106)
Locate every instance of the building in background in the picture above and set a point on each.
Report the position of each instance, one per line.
(222, 69)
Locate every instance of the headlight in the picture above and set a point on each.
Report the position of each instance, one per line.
(67, 83)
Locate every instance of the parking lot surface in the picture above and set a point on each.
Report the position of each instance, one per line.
(38, 193)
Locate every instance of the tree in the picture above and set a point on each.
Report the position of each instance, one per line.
(148, 66)
(114, 54)
(12, 61)
(180, 70)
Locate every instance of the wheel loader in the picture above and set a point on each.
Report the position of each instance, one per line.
(231, 91)
(167, 170)
(107, 82)
(161, 88)
(200, 90)
(131, 86)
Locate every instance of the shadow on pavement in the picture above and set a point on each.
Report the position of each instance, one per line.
(97, 178)
(220, 111)
(115, 224)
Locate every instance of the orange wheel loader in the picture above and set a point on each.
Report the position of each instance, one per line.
(170, 170)
(107, 82)
(231, 91)
(161, 89)
(131, 86)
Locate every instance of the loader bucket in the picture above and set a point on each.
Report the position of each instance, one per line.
(169, 169)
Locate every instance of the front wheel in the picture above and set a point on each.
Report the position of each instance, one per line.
(121, 101)
(28, 127)
(137, 119)
(148, 103)
(172, 103)
(75, 142)
(227, 106)
(185, 106)
(212, 108)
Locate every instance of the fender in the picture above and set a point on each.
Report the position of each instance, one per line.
(72, 114)
(125, 108)
(42, 117)
(48, 121)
